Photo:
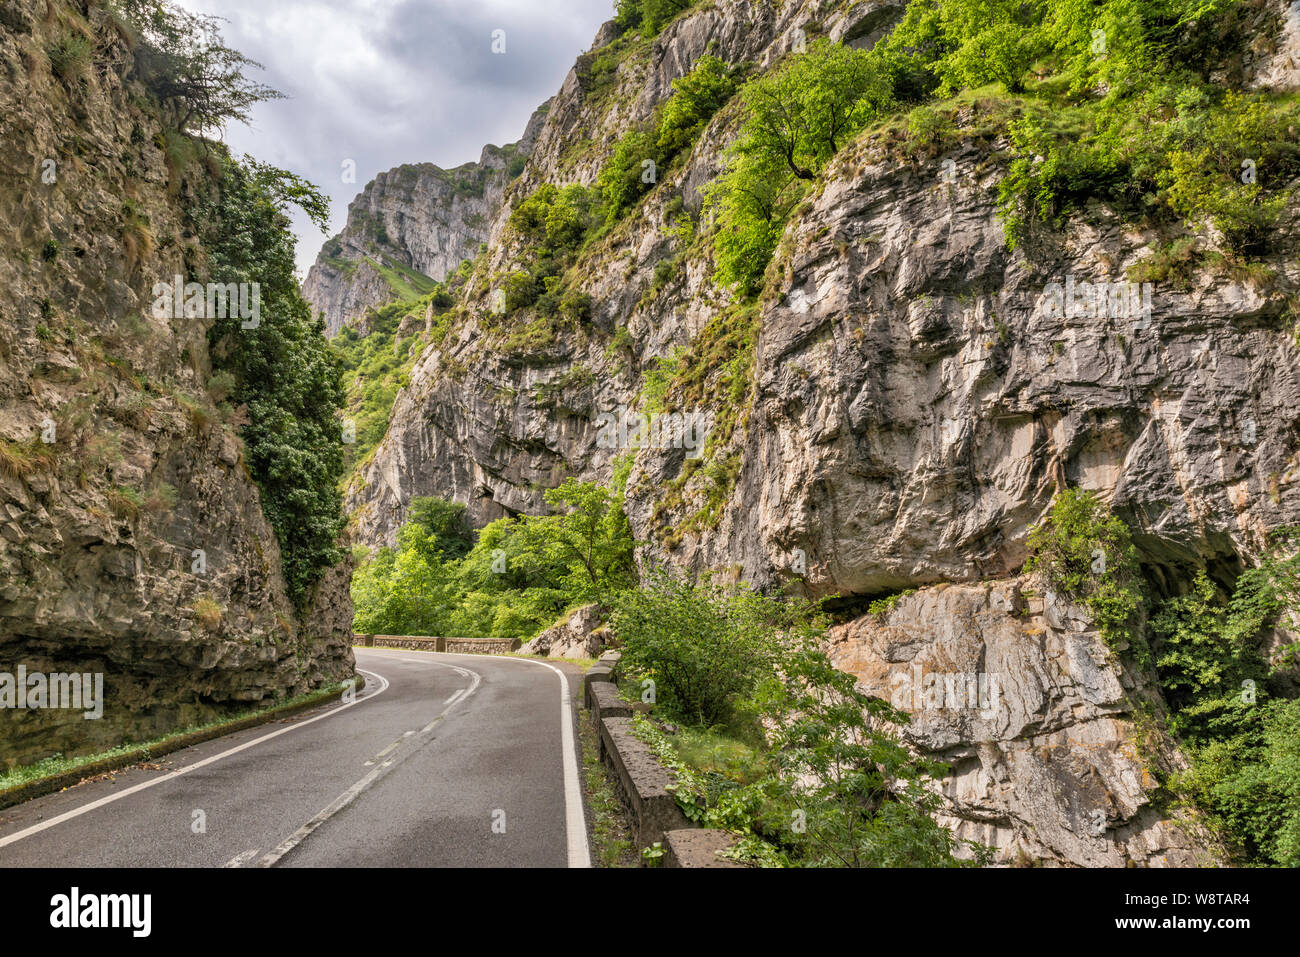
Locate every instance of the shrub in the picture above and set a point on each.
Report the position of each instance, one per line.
(1243, 743)
(70, 55)
(630, 173)
(521, 290)
(858, 794)
(1087, 554)
(1203, 657)
(208, 613)
(704, 645)
(650, 15)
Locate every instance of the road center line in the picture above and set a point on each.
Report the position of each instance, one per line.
(351, 794)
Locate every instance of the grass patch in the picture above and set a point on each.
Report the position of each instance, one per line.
(611, 827)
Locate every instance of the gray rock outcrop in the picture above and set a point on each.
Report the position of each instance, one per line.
(916, 399)
(132, 538)
(413, 217)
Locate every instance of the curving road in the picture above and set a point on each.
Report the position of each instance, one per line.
(443, 761)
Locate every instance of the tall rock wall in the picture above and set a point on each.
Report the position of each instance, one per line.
(115, 468)
(914, 403)
(413, 217)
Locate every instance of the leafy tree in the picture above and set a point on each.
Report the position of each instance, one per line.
(1229, 712)
(806, 109)
(444, 524)
(697, 96)
(285, 372)
(649, 15)
(626, 177)
(1204, 656)
(184, 63)
(590, 540)
(860, 795)
(796, 119)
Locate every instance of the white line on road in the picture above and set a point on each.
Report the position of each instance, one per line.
(575, 823)
(172, 776)
(352, 793)
(239, 860)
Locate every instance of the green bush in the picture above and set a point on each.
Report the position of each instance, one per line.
(521, 289)
(705, 646)
(650, 16)
(1204, 655)
(1087, 554)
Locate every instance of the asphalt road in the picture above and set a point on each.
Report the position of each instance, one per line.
(442, 761)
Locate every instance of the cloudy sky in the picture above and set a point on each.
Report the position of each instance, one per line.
(385, 82)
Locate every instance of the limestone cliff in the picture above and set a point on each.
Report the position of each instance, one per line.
(410, 226)
(132, 538)
(914, 400)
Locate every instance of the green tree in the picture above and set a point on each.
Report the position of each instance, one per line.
(858, 793)
(285, 372)
(183, 62)
(589, 543)
(697, 96)
(796, 119)
(810, 106)
(445, 525)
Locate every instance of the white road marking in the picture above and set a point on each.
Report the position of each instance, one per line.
(179, 772)
(352, 793)
(239, 860)
(575, 823)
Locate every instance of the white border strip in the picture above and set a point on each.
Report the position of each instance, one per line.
(575, 821)
(117, 796)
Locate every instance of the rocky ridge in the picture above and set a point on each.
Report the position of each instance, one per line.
(410, 225)
(916, 401)
(132, 538)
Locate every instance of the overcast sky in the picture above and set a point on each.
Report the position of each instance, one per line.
(386, 82)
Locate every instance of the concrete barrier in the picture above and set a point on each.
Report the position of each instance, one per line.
(602, 672)
(460, 646)
(698, 847)
(642, 780)
(604, 701)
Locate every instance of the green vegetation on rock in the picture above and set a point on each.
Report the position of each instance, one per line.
(285, 374)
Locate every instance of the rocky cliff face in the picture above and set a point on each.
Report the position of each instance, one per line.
(917, 395)
(410, 225)
(132, 539)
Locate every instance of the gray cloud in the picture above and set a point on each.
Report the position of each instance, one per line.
(403, 81)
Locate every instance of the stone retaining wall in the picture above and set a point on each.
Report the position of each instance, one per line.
(643, 781)
(460, 646)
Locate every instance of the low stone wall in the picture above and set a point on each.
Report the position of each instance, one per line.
(459, 646)
(643, 781)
